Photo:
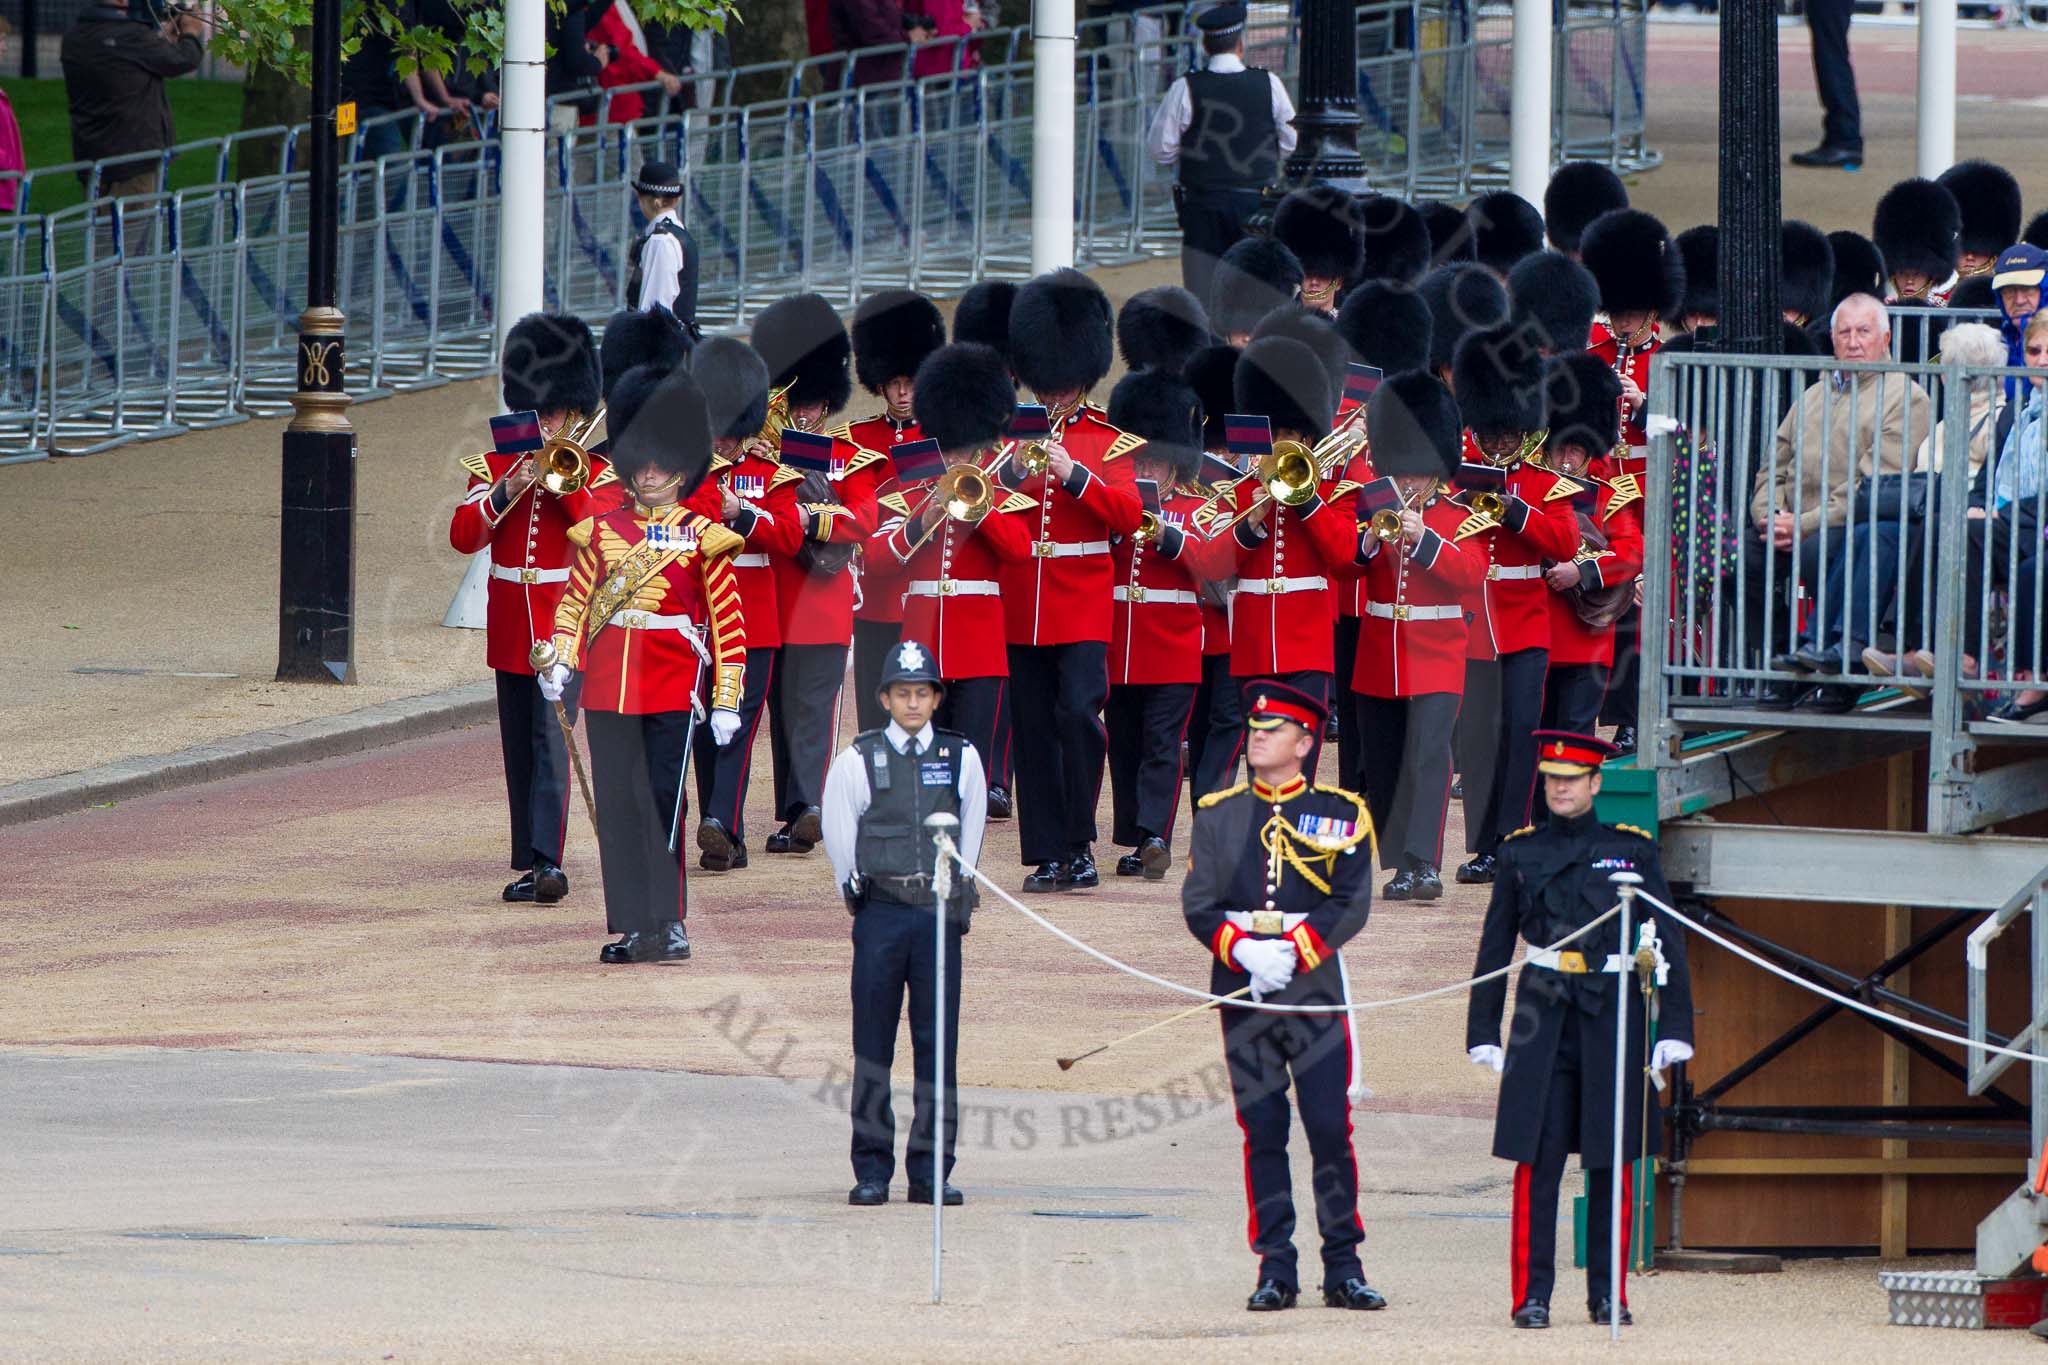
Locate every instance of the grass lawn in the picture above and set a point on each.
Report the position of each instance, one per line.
(199, 109)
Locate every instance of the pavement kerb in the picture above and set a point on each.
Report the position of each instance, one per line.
(308, 741)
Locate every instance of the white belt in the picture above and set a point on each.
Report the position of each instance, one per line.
(1572, 963)
(755, 561)
(1052, 549)
(954, 587)
(1242, 919)
(1274, 587)
(1500, 571)
(1144, 594)
(505, 575)
(640, 620)
(1402, 611)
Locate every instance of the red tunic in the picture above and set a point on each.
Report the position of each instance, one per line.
(819, 610)
(1620, 512)
(1060, 595)
(953, 603)
(1156, 630)
(1633, 432)
(1350, 592)
(1280, 616)
(530, 551)
(1514, 612)
(880, 583)
(1411, 634)
(772, 525)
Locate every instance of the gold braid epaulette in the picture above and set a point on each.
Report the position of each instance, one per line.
(1516, 834)
(1637, 830)
(1217, 798)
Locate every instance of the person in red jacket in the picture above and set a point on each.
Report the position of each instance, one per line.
(620, 63)
(809, 354)
(1498, 379)
(1585, 417)
(1155, 643)
(550, 377)
(1056, 605)
(893, 333)
(652, 623)
(1215, 735)
(1419, 584)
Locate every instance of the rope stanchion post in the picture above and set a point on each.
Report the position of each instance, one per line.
(942, 826)
(1625, 884)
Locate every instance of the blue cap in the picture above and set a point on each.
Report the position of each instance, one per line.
(1227, 17)
(2023, 265)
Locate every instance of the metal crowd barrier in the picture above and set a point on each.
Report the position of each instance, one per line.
(131, 319)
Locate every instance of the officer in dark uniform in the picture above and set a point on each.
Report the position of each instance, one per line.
(1280, 878)
(1557, 1089)
(1226, 127)
(663, 259)
(878, 794)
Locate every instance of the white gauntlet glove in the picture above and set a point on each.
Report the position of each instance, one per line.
(1668, 1052)
(724, 725)
(1270, 962)
(553, 680)
(1488, 1054)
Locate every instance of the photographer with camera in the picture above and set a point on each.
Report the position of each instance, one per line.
(116, 60)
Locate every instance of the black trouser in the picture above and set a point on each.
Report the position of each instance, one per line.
(803, 723)
(1260, 1051)
(1056, 697)
(1624, 681)
(636, 765)
(972, 706)
(1216, 734)
(1211, 222)
(872, 641)
(1532, 1241)
(1350, 752)
(1572, 696)
(1407, 758)
(1475, 746)
(724, 774)
(999, 762)
(1146, 724)
(536, 769)
(1758, 554)
(2017, 520)
(1842, 117)
(1508, 731)
(893, 949)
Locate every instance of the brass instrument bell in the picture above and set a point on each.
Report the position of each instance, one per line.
(1148, 528)
(1489, 504)
(1289, 474)
(1033, 457)
(1386, 524)
(963, 493)
(564, 462)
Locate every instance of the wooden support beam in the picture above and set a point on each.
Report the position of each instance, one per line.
(1896, 1079)
(1855, 1165)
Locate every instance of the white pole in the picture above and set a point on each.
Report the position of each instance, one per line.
(942, 827)
(1052, 135)
(1529, 101)
(1937, 113)
(1625, 883)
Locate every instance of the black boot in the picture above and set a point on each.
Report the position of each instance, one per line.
(1047, 877)
(1600, 1311)
(1428, 886)
(999, 807)
(1479, 871)
(1624, 740)
(1270, 1297)
(1130, 865)
(1401, 887)
(718, 850)
(550, 883)
(1156, 858)
(671, 945)
(1534, 1313)
(1080, 871)
(521, 890)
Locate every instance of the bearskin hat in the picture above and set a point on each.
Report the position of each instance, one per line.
(1578, 193)
(1212, 373)
(1460, 299)
(963, 396)
(1918, 226)
(1160, 407)
(1315, 331)
(659, 419)
(1498, 378)
(1282, 380)
(1319, 225)
(1973, 291)
(893, 332)
(734, 379)
(1414, 426)
(1387, 324)
(1806, 269)
(1859, 267)
(1632, 258)
(1159, 328)
(2036, 233)
(1396, 240)
(1989, 200)
(1699, 251)
(983, 315)
(807, 350)
(550, 365)
(1450, 239)
(1554, 299)
(1252, 278)
(1506, 228)
(1060, 333)
(1584, 396)
(652, 336)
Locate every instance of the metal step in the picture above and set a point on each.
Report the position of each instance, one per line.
(1963, 1298)
(1850, 866)
(2010, 1234)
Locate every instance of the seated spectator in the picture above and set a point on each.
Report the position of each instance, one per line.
(1845, 428)
(2006, 538)
(114, 73)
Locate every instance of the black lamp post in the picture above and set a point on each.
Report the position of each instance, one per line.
(1327, 117)
(1752, 202)
(316, 564)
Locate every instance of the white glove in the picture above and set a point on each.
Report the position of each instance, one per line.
(1488, 1054)
(1270, 962)
(553, 679)
(1668, 1051)
(724, 725)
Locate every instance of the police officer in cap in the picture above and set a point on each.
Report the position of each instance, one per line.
(878, 794)
(1557, 1074)
(1280, 878)
(663, 258)
(1226, 127)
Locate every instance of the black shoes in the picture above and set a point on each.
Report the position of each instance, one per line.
(868, 1194)
(1624, 740)
(1779, 696)
(673, 945)
(550, 884)
(1477, 872)
(1130, 865)
(999, 807)
(1458, 788)
(521, 890)
(1080, 873)
(624, 950)
(1047, 877)
(922, 1194)
(1534, 1313)
(1830, 158)
(778, 842)
(2017, 712)
(1829, 699)
(1401, 887)
(1428, 886)
(807, 831)
(1155, 857)
(1354, 1293)
(668, 944)
(717, 850)
(1270, 1297)
(1600, 1310)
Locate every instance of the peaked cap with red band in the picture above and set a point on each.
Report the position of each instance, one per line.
(1268, 703)
(1560, 753)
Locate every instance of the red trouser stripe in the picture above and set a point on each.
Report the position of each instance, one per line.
(1628, 1224)
(1518, 1237)
(1251, 1203)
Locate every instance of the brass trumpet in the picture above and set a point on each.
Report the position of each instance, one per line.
(963, 493)
(1148, 528)
(564, 462)
(1386, 525)
(1489, 504)
(1032, 458)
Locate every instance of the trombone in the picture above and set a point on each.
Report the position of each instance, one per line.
(963, 494)
(1287, 474)
(564, 461)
